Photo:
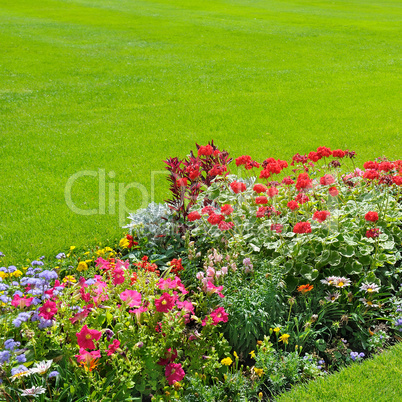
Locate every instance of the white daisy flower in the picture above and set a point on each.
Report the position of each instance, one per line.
(41, 367)
(370, 287)
(34, 391)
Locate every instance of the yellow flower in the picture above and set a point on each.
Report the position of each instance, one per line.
(252, 354)
(69, 278)
(108, 249)
(284, 338)
(88, 261)
(86, 253)
(24, 268)
(3, 275)
(277, 329)
(17, 273)
(258, 371)
(82, 266)
(72, 248)
(235, 355)
(227, 361)
(100, 253)
(124, 242)
(176, 385)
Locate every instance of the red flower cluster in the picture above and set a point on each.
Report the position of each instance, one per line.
(371, 174)
(272, 166)
(323, 152)
(147, 265)
(260, 188)
(247, 162)
(333, 191)
(205, 150)
(287, 181)
(176, 266)
(261, 200)
(226, 209)
(302, 227)
(303, 181)
(272, 192)
(327, 180)
(277, 227)
(302, 198)
(371, 216)
(293, 205)
(321, 216)
(193, 216)
(215, 219)
(238, 187)
(338, 153)
(218, 170)
(225, 225)
(131, 241)
(373, 233)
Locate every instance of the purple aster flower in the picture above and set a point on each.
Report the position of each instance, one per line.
(48, 275)
(10, 344)
(3, 287)
(60, 256)
(19, 293)
(53, 374)
(21, 358)
(5, 299)
(42, 258)
(90, 282)
(12, 269)
(1, 254)
(45, 323)
(33, 263)
(15, 283)
(5, 356)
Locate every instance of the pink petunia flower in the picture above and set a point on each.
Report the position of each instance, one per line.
(131, 297)
(174, 373)
(86, 337)
(48, 310)
(164, 303)
(113, 347)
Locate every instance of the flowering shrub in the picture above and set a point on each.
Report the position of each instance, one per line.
(237, 288)
(113, 320)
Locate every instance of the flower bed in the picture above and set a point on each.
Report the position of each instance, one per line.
(237, 289)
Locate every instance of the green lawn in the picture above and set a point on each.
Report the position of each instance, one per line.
(119, 85)
(375, 380)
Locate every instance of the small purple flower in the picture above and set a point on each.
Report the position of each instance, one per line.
(38, 263)
(361, 355)
(109, 334)
(45, 323)
(48, 275)
(4, 356)
(42, 258)
(21, 358)
(19, 293)
(19, 369)
(10, 344)
(90, 281)
(353, 355)
(3, 287)
(60, 256)
(1, 254)
(5, 299)
(53, 374)
(12, 269)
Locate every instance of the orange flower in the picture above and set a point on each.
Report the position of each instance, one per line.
(305, 288)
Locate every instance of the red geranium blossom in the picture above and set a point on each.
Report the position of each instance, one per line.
(327, 180)
(324, 152)
(371, 174)
(287, 181)
(48, 310)
(86, 337)
(238, 187)
(260, 188)
(182, 182)
(302, 198)
(208, 210)
(313, 156)
(205, 150)
(193, 216)
(215, 219)
(321, 216)
(131, 243)
(370, 165)
(272, 192)
(303, 181)
(338, 153)
(333, 191)
(277, 227)
(176, 266)
(265, 174)
(261, 212)
(174, 373)
(242, 160)
(293, 205)
(397, 180)
(226, 209)
(164, 303)
(261, 200)
(302, 227)
(385, 166)
(371, 216)
(225, 225)
(373, 233)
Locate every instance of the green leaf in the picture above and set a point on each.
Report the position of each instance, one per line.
(348, 251)
(334, 258)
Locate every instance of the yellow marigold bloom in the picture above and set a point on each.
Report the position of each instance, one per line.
(108, 249)
(284, 338)
(176, 385)
(24, 268)
(69, 278)
(17, 273)
(252, 354)
(258, 371)
(82, 266)
(235, 355)
(88, 261)
(227, 361)
(86, 253)
(277, 329)
(72, 248)
(124, 242)
(259, 343)
(3, 274)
